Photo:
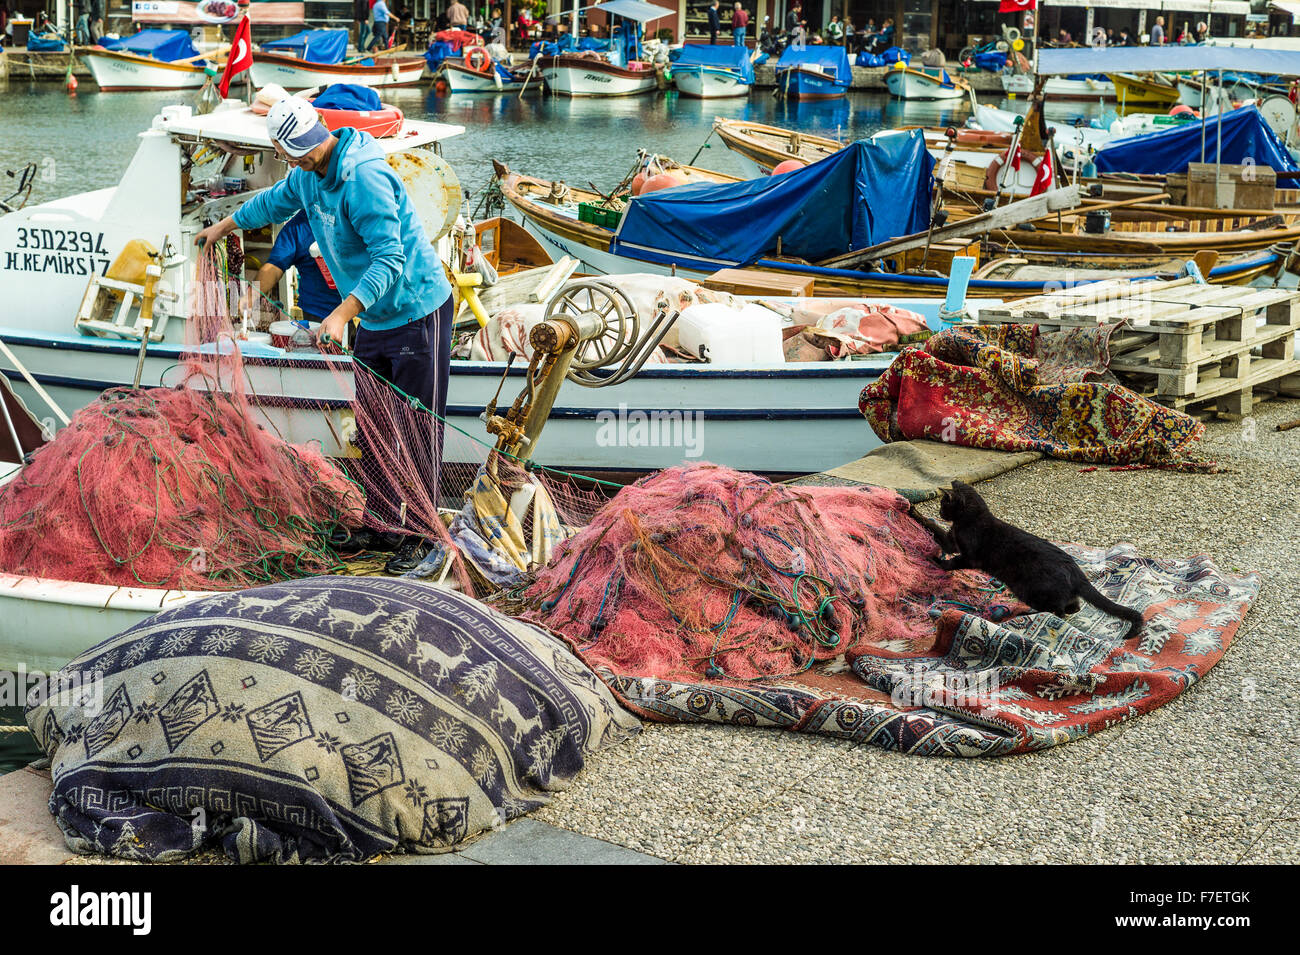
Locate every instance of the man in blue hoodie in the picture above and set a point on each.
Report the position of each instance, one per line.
(380, 258)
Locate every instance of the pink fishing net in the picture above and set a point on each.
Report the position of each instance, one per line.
(177, 487)
(704, 571)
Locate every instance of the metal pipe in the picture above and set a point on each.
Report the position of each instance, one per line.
(1218, 146)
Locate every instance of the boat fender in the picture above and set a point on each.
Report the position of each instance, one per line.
(788, 165)
(478, 59)
(379, 123)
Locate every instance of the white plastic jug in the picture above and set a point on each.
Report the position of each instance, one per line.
(728, 336)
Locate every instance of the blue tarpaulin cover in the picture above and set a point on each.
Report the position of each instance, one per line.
(167, 45)
(44, 44)
(831, 59)
(1245, 135)
(438, 51)
(347, 96)
(864, 194)
(725, 57)
(314, 46)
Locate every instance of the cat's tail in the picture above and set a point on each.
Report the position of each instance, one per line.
(1099, 600)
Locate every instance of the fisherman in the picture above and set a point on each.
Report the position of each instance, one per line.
(379, 256)
(317, 295)
(715, 23)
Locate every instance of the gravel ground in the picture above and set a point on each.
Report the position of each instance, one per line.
(1208, 778)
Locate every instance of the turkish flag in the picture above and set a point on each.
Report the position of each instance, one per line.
(241, 56)
(1045, 179)
(1017, 6)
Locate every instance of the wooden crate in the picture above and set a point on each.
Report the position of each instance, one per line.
(1181, 343)
(1240, 187)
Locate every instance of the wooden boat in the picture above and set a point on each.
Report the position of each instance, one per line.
(923, 83)
(571, 74)
(1131, 88)
(118, 72)
(1079, 87)
(556, 224)
(461, 79)
(765, 147)
(813, 73)
(295, 74)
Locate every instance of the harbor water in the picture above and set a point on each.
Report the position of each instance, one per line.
(84, 142)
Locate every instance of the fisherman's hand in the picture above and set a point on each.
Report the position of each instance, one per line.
(331, 330)
(215, 233)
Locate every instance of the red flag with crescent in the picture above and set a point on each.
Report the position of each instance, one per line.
(1017, 6)
(241, 56)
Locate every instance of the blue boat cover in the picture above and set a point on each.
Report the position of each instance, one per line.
(1245, 135)
(831, 59)
(992, 61)
(864, 194)
(44, 44)
(166, 45)
(347, 96)
(564, 44)
(725, 57)
(438, 51)
(314, 46)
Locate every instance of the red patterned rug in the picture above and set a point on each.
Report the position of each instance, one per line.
(1014, 388)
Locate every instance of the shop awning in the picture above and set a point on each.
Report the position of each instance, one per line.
(1168, 59)
(635, 10)
(1286, 6)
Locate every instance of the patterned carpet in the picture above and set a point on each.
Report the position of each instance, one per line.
(986, 688)
(1013, 388)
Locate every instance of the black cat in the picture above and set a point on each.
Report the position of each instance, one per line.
(1037, 571)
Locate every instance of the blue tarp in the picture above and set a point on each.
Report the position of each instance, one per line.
(315, 46)
(165, 45)
(993, 62)
(564, 44)
(725, 57)
(44, 44)
(831, 59)
(438, 51)
(1245, 136)
(1167, 59)
(864, 194)
(347, 96)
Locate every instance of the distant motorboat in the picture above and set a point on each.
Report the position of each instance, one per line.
(148, 60)
(313, 58)
(705, 71)
(813, 73)
(572, 74)
(924, 83)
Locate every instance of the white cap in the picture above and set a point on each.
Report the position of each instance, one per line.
(296, 126)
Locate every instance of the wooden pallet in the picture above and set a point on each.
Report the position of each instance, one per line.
(1180, 343)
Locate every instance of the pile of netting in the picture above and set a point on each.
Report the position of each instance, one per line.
(177, 487)
(704, 571)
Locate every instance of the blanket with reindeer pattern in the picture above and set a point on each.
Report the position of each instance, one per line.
(327, 719)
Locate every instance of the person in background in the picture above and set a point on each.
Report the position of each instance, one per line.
(387, 272)
(83, 29)
(96, 20)
(1124, 39)
(384, 22)
(835, 31)
(1202, 31)
(1158, 32)
(792, 18)
(317, 296)
(739, 24)
(848, 35)
(886, 39)
(457, 15)
(361, 16)
(1063, 38)
(715, 22)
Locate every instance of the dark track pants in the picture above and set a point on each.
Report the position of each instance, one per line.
(415, 357)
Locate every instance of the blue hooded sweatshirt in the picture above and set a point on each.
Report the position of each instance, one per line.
(367, 230)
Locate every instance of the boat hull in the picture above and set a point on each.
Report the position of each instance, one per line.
(803, 84)
(1135, 89)
(913, 84)
(1060, 87)
(703, 82)
(583, 76)
(295, 74)
(124, 72)
(461, 79)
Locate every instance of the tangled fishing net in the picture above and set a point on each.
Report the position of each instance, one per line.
(177, 487)
(704, 571)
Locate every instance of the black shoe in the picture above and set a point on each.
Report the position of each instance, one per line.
(410, 555)
(354, 540)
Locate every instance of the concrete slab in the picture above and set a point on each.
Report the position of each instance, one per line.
(529, 842)
(28, 835)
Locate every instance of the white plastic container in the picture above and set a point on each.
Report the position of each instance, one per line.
(728, 336)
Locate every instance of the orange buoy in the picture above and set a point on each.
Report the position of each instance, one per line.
(1182, 109)
(661, 181)
(637, 182)
(71, 84)
(789, 165)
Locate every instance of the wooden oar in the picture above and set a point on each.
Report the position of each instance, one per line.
(401, 47)
(210, 55)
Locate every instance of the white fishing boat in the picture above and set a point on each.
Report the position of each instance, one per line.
(705, 71)
(767, 419)
(572, 74)
(921, 83)
(495, 79)
(148, 60)
(314, 58)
